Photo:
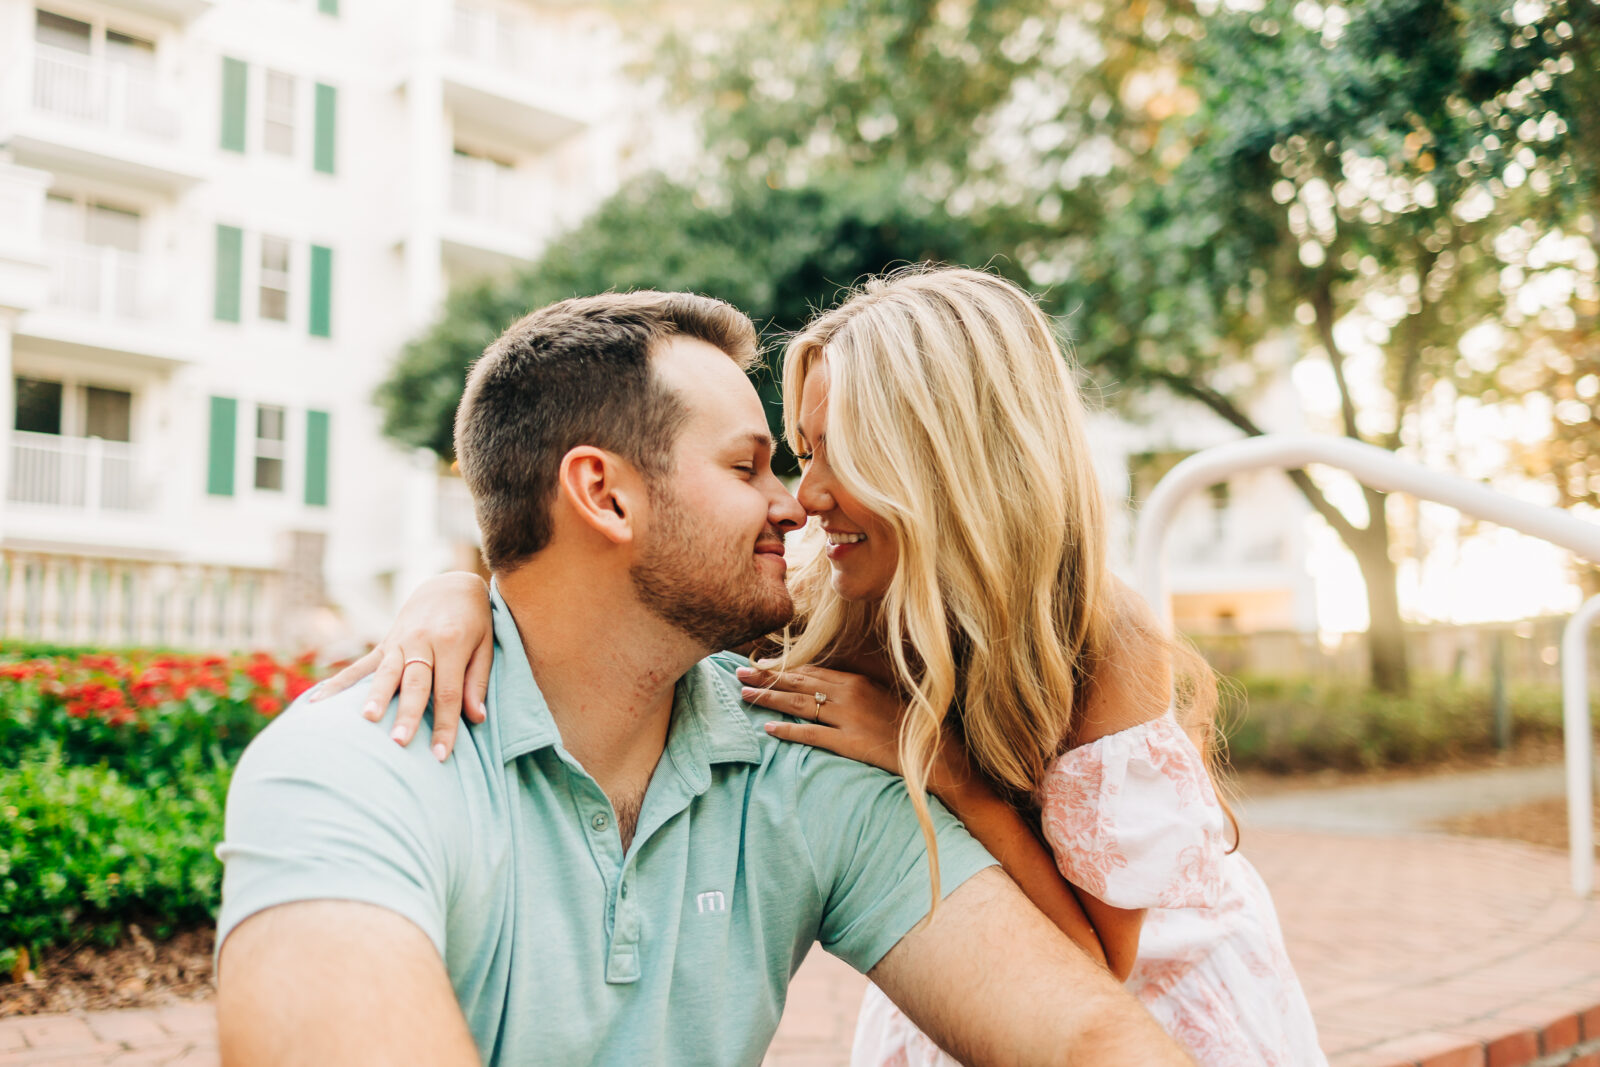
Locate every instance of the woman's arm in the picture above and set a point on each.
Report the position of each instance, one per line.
(1008, 837)
(441, 645)
(861, 721)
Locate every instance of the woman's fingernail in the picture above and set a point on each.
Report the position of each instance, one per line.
(399, 734)
(747, 694)
(314, 694)
(771, 728)
(370, 711)
(440, 752)
(744, 672)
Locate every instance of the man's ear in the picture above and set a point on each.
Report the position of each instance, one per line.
(603, 492)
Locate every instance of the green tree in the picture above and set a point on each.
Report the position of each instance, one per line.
(1193, 181)
(778, 255)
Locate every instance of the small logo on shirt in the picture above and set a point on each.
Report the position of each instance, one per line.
(710, 901)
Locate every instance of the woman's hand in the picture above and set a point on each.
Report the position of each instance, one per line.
(849, 714)
(442, 643)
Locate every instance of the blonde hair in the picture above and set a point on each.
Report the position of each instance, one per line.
(955, 418)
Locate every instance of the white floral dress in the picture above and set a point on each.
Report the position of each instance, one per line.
(1133, 819)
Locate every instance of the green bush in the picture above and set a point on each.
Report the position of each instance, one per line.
(113, 800)
(1286, 725)
(83, 852)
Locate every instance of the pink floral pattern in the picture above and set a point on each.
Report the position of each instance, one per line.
(1133, 819)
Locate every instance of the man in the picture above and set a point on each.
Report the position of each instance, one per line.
(618, 866)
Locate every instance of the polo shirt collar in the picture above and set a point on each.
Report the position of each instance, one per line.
(708, 725)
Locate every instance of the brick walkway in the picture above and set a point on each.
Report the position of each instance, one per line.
(1414, 949)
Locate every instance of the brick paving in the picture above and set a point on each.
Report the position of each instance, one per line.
(1415, 951)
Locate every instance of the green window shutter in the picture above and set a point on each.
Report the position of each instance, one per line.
(327, 115)
(230, 271)
(321, 291)
(328, 7)
(317, 458)
(233, 104)
(224, 435)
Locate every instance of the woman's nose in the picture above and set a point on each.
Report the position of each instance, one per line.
(812, 492)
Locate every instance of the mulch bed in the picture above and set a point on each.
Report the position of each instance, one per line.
(1543, 822)
(137, 973)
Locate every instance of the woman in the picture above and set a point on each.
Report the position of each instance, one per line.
(960, 628)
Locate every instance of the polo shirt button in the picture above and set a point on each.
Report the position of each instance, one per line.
(624, 890)
(599, 821)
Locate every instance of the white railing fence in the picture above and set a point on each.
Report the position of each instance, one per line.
(121, 602)
(1387, 472)
(83, 473)
(120, 96)
(455, 519)
(97, 281)
(545, 55)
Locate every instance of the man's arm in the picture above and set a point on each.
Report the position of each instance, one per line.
(336, 981)
(993, 981)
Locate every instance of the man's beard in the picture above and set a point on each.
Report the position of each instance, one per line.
(715, 594)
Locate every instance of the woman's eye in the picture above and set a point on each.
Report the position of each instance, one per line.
(804, 457)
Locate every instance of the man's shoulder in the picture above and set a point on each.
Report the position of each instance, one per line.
(331, 743)
(805, 762)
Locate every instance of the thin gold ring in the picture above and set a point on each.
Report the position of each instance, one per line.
(424, 660)
(821, 699)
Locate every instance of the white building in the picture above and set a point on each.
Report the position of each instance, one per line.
(219, 221)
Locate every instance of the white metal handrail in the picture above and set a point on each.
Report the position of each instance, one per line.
(1578, 740)
(1384, 471)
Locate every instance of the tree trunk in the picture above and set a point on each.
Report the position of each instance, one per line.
(1386, 645)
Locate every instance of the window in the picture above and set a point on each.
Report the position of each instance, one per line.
(274, 279)
(58, 31)
(108, 414)
(38, 406)
(277, 135)
(130, 50)
(269, 448)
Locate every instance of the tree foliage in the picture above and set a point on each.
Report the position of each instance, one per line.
(778, 255)
(1188, 179)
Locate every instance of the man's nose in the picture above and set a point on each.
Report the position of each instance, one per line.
(784, 510)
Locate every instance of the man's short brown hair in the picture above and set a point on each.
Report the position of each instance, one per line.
(576, 373)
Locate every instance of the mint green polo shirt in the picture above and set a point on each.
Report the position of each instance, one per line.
(561, 948)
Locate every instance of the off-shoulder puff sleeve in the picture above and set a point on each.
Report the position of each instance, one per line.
(1133, 819)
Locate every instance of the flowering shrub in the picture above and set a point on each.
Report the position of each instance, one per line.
(112, 790)
(83, 853)
(149, 716)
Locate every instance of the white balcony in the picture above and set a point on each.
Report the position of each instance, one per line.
(100, 283)
(104, 119)
(511, 76)
(495, 217)
(79, 474)
(106, 304)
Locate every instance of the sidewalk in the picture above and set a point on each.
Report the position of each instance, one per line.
(1413, 948)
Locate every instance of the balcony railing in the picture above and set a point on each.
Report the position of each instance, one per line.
(484, 191)
(551, 57)
(456, 520)
(110, 602)
(117, 96)
(75, 473)
(98, 282)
